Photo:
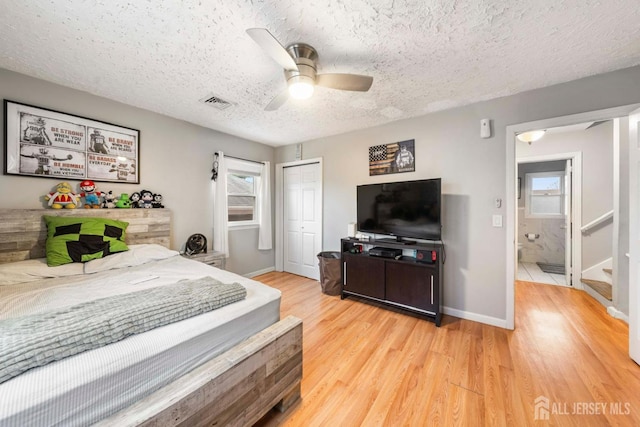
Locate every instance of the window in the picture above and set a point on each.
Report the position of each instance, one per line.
(544, 195)
(242, 192)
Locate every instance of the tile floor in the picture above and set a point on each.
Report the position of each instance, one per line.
(530, 272)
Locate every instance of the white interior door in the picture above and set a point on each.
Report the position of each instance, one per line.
(568, 215)
(634, 236)
(302, 218)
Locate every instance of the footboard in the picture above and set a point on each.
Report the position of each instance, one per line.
(238, 387)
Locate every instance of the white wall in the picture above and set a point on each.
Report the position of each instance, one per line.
(596, 145)
(176, 160)
(448, 145)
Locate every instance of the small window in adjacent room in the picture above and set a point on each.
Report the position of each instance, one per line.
(242, 192)
(544, 195)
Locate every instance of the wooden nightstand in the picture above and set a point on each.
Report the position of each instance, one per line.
(215, 259)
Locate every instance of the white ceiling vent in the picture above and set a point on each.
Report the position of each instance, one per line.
(216, 102)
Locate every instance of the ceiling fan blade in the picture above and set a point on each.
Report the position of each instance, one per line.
(278, 101)
(345, 81)
(273, 48)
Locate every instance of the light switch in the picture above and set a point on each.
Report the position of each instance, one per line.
(497, 220)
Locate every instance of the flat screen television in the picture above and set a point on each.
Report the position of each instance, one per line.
(401, 209)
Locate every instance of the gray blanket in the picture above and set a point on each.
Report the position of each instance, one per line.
(36, 340)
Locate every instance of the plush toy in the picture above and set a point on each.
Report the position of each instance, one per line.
(134, 198)
(90, 194)
(157, 201)
(108, 200)
(146, 199)
(63, 197)
(123, 201)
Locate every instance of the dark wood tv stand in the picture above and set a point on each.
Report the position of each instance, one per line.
(403, 283)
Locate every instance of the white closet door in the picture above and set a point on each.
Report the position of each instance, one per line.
(302, 217)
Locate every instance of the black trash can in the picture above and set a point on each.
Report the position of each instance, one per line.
(330, 279)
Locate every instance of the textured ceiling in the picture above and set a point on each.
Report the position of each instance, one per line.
(424, 55)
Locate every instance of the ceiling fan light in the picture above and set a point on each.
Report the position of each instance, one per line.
(531, 136)
(301, 90)
(300, 86)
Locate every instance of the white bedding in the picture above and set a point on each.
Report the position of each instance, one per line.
(90, 386)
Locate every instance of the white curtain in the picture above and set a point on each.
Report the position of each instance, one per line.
(264, 210)
(220, 210)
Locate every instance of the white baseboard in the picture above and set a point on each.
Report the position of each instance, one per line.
(481, 318)
(259, 272)
(614, 312)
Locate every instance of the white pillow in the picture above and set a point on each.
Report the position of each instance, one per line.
(35, 269)
(136, 255)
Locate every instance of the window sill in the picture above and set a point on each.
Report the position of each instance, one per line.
(541, 216)
(233, 227)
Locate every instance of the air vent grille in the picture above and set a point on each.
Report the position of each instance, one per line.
(216, 102)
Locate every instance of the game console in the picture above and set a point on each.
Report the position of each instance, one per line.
(385, 252)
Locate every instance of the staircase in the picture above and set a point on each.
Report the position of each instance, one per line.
(600, 290)
(601, 287)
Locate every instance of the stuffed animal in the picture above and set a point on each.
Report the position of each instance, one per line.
(63, 197)
(146, 199)
(157, 201)
(134, 198)
(90, 194)
(108, 200)
(123, 201)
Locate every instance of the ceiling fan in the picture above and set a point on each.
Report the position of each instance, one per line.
(299, 63)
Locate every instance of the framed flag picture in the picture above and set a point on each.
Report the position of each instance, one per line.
(46, 143)
(396, 157)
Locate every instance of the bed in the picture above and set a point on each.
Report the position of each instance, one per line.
(224, 367)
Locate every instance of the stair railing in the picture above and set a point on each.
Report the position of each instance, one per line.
(588, 227)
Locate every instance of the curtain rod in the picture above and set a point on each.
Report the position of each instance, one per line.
(240, 158)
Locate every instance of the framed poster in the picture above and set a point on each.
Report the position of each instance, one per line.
(392, 158)
(47, 143)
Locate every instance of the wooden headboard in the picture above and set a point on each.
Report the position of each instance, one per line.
(23, 232)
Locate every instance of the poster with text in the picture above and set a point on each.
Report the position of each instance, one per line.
(42, 130)
(52, 162)
(48, 143)
(111, 168)
(103, 141)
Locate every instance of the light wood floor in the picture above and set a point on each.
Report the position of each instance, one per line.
(368, 366)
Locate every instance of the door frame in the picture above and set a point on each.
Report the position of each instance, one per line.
(634, 225)
(576, 207)
(279, 169)
(511, 172)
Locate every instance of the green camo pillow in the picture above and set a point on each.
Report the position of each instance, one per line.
(77, 239)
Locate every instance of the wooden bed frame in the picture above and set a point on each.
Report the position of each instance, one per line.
(236, 388)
